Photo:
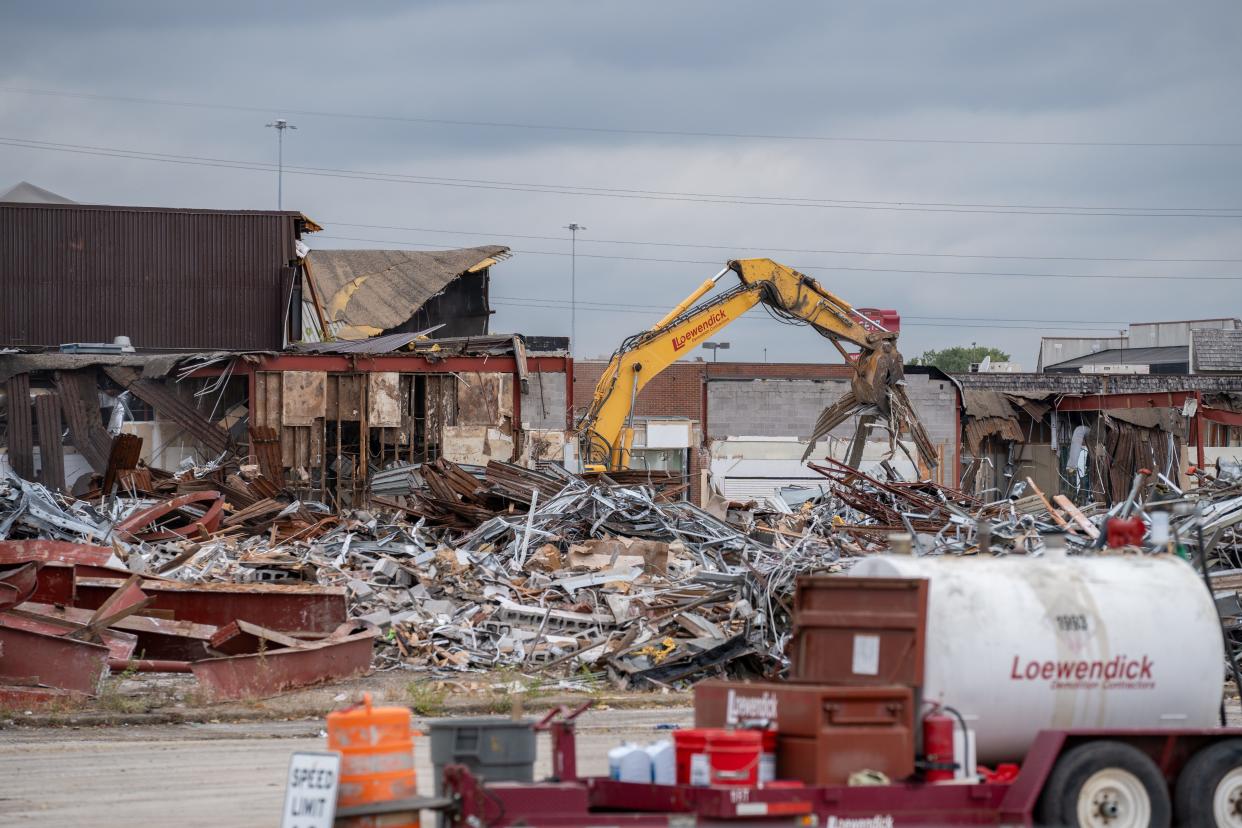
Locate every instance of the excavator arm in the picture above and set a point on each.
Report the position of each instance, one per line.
(606, 430)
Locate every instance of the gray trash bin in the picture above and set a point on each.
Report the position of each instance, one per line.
(495, 749)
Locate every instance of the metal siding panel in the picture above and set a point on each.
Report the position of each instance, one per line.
(165, 278)
(20, 434)
(51, 449)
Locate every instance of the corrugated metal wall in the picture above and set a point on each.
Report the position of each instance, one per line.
(165, 278)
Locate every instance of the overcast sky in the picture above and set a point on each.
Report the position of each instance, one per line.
(670, 105)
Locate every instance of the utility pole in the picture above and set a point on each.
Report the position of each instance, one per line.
(573, 228)
(280, 125)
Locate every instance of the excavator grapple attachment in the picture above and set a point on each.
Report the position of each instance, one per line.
(876, 372)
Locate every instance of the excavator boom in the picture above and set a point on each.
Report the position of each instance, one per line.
(606, 429)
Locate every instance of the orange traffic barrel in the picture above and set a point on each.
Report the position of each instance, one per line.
(377, 755)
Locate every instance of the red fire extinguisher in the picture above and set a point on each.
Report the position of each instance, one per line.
(938, 754)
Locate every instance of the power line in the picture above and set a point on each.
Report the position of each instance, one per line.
(774, 249)
(830, 268)
(642, 308)
(644, 195)
(627, 130)
(904, 324)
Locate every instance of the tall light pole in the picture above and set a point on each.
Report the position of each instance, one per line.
(716, 348)
(280, 125)
(573, 228)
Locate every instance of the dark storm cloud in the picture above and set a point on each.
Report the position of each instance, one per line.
(1050, 71)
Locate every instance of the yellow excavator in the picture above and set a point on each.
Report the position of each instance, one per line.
(606, 430)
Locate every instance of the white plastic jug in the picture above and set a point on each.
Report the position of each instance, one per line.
(629, 763)
(663, 762)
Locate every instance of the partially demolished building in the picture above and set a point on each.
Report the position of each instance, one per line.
(206, 332)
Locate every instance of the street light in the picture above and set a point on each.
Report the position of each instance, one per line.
(716, 348)
(573, 228)
(280, 125)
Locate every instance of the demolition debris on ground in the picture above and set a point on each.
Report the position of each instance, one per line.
(583, 580)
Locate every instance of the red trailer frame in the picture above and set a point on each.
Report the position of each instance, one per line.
(596, 801)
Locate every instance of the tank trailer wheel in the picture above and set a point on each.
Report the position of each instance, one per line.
(1105, 785)
(1209, 789)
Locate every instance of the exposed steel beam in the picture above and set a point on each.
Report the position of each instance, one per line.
(274, 671)
(400, 363)
(1098, 402)
(280, 607)
(1217, 415)
(50, 660)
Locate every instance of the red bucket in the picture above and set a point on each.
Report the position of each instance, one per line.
(733, 757)
(691, 755)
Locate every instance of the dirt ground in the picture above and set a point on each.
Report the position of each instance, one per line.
(215, 774)
(169, 698)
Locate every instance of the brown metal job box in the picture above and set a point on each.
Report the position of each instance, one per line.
(859, 631)
(824, 732)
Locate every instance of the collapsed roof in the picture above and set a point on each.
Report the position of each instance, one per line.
(368, 292)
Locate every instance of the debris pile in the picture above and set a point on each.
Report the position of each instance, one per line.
(456, 569)
(861, 514)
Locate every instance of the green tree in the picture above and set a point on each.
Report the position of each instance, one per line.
(958, 359)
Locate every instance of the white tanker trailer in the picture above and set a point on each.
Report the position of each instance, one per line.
(1019, 644)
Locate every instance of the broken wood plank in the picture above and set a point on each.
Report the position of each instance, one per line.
(1077, 516)
(1052, 512)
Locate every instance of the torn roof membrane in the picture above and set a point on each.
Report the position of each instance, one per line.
(367, 292)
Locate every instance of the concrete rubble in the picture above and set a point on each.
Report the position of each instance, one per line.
(456, 569)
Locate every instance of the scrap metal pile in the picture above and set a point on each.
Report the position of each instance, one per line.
(503, 567)
(862, 513)
(456, 569)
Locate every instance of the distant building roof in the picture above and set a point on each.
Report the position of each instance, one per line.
(369, 291)
(1173, 358)
(1216, 350)
(26, 193)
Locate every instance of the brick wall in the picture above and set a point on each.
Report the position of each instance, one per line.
(677, 391)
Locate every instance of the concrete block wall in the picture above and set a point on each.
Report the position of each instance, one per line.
(544, 405)
(936, 403)
(790, 407)
(769, 407)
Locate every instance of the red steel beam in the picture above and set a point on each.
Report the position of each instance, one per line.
(120, 644)
(1217, 415)
(158, 638)
(57, 559)
(280, 607)
(275, 671)
(48, 551)
(1097, 402)
(17, 585)
(404, 363)
(135, 527)
(51, 660)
